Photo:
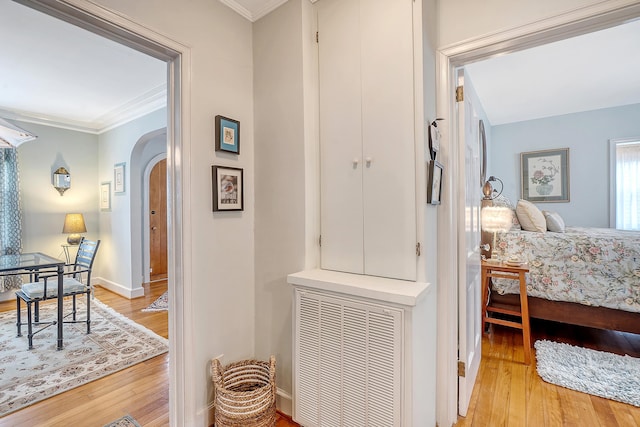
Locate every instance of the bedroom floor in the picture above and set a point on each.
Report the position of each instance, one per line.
(508, 392)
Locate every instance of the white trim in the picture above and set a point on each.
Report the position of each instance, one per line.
(284, 402)
(118, 288)
(268, 7)
(95, 18)
(579, 21)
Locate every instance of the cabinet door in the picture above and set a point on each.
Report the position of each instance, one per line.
(368, 213)
(388, 138)
(340, 136)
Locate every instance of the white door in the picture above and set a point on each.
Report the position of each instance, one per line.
(469, 191)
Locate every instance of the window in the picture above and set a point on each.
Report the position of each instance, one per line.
(625, 177)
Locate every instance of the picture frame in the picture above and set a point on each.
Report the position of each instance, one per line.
(119, 178)
(105, 196)
(545, 175)
(228, 188)
(227, 135)
(434, 182)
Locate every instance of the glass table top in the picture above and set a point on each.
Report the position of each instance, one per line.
(28, 261)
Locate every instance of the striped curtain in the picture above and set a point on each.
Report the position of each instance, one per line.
(10, 215)
(628, 186)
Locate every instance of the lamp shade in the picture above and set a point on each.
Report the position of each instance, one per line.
(74, 225)
(496, 219)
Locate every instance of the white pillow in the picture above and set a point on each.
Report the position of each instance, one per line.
(555, 222)
(531, 218)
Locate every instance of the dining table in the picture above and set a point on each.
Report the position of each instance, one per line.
(35, 263)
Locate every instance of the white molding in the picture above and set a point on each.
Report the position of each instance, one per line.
(146, 103)
(579, 21)
(284, 402)
(118, 288)
(251, 15)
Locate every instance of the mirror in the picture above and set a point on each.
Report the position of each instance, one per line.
(61, 180)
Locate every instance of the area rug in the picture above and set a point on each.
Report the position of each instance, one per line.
(594, 372)
(161, 304)
(126, 421)
(29, 376)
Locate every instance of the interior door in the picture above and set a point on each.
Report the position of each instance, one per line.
(469, 322)
(158, 221)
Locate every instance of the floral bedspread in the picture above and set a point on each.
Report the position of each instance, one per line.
(591, 266)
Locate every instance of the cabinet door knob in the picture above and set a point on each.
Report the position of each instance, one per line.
(368, 160)
(355, 162)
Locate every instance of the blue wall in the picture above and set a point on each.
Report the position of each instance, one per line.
(587, 136)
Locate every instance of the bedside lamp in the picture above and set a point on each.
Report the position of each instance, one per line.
(73, 226)
(495, 219)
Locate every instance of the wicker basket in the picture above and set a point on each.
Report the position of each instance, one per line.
(245, 393)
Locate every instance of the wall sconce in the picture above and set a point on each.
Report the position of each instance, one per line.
(489, 192)
(73, 226)
(61, 180)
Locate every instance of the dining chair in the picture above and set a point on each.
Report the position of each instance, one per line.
(77, 281)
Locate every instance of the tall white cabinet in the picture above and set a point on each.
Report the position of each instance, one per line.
(367, 140)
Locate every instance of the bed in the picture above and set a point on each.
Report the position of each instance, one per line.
(583, 276)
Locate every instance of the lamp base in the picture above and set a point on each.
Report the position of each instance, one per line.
(74, 239)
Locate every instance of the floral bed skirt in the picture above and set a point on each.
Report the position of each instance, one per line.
(591, 266)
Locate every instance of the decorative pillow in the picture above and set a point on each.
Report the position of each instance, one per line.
(531, 218)
(504, 201)
(555, 222)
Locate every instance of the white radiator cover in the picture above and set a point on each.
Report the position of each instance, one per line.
(347, 362)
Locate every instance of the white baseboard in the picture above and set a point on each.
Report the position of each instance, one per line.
(117, 288)
(284, 402)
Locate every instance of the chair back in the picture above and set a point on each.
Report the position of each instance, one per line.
(84, 258)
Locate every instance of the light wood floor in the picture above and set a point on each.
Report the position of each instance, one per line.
(141, 390)
(509, 393)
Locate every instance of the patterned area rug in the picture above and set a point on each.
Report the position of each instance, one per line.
(161, 304)
(594, 372)
(126, 421)
(29, 376)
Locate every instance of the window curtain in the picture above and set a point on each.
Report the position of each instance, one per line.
(628, 186)
(10, 215)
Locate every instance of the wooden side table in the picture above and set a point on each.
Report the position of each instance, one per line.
(504, 271)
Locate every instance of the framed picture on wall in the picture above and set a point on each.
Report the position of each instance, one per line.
(545, 175)
(118, 178)
(105, 196)
(434, 182)
(228, 188)
(227, 135)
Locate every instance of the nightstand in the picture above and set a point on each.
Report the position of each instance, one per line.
(504, 271)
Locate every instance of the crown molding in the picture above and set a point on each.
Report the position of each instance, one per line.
(148, 102)
(253, 16)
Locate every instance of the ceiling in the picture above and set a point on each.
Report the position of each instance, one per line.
(94, 84)
(588, 72)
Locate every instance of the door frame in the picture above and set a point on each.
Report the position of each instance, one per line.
(102, 21)
(577, 22)
(146, 235)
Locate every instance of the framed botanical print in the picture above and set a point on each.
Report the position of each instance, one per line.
(105, 196)
(118, 178)
(545, 175)
(227, 135)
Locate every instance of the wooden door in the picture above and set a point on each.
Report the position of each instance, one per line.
(158, 221)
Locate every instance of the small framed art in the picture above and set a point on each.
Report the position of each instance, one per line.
(228, 188)
(227, 135)
(118, 178)
(545, 175)
(105, 196)
(434, 182)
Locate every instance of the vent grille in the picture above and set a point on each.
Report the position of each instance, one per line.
(347, 363)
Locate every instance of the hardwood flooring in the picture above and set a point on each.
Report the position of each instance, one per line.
(141, 390)
(509, 393)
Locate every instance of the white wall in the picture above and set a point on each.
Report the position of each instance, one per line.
(221, 251)
(120, 266)
(280, 179)
(461, 20)
(587, 136)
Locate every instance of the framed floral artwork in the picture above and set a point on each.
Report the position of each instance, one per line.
(227, 135)
(545, 175)
(105, 196)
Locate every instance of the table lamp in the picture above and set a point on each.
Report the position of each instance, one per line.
(73, 226)
(496, 219)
